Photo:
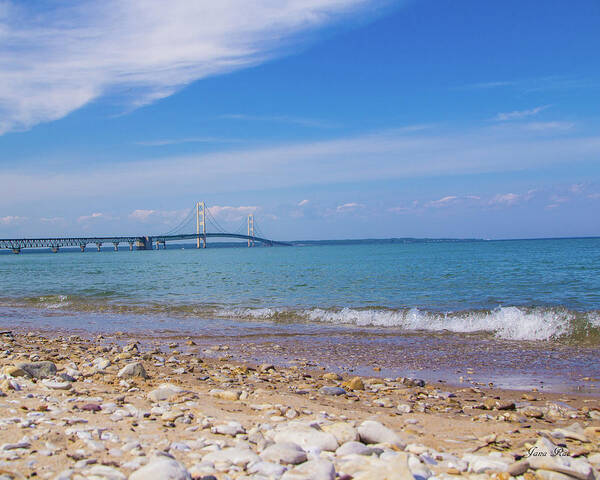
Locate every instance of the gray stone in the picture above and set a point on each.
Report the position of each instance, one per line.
(371, 431)
(332, 391)
(229, 428)
(103, 472)
(268, 469)
(311, 470)
(38, 369)
(284, 452)
(162, 468)
(135, 369)
(483, 463)
(574, 467)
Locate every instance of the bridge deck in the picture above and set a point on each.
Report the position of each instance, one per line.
(56, 242)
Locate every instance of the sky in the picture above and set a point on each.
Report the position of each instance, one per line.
(324, 118)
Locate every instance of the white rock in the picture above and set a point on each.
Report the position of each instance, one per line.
(371, 431)
(239, 456)
(306, 436)
(284, 452)
(483, 463)
(56, 384)
(103, 472)
(166, 391)
(343, 432)
(229, 428)
(311, 470)
(268, 469)
(353, 448)
(161, 468)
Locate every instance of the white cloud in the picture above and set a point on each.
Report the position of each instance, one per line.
(505, 199)
(519, 114)
(164, 216)
(548, 126)
(12, 220)
(442, 202)
(389, 155)
(231, 214)
(56, 57)
(94, 216)
(348, 207)
(301, 203)
(304, 122)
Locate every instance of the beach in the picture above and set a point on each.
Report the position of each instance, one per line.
(112, 407)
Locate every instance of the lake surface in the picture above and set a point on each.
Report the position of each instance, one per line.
(541, 294)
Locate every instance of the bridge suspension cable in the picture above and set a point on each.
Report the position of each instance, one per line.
(182, 224)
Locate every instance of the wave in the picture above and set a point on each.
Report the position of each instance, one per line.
(508, 322)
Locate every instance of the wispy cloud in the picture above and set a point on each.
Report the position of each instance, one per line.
(519, 114)
(158, 216)
(349, 207)
(548, 126)
(177, 141)
(59, 56)
(388, 155)
(230, 213)
(304, 122)
(301, 203)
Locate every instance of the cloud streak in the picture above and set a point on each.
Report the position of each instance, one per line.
(519, 114)
(56, 57)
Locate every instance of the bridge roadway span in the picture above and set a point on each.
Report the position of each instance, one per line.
(141, 243)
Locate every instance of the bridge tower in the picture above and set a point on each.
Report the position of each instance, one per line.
(201, 222)
(251, 229)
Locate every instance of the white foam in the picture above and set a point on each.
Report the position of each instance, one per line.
(511, 323)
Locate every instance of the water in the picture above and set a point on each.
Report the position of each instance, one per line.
(541, 291)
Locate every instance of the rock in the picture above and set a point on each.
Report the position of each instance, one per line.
(392, 467)
(232, 456)
(371, 431)
(531, 411)
(383, 402)
(268, 469)
(57, 385)
(574, 431)
(518, 468)
(483, 463)
(311, 470)
(103, 472)
(574, 467)
(332, 376)
(355, 383)
(135, 369)
(38, 369)
(404, 408)
(161, 468)
(353, 448)
(306, 437)
(101, 363)
(229, 428)
(15, 371)
(284, 452)
(343, 432)
(332, 391)
(225, 394)
(166, 391)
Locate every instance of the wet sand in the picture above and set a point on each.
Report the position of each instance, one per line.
(121, 404)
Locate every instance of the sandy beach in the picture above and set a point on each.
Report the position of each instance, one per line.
(111, 407)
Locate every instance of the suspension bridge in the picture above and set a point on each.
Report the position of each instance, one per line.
(248, 231)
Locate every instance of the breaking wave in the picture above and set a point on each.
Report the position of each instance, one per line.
(509, 323)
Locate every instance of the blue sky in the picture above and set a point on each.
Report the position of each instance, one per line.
(324, 118)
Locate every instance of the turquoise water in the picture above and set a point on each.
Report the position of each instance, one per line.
(519, 290)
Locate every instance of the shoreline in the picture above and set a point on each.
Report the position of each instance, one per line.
(98, 415)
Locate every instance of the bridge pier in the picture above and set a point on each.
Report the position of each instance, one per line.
(16, 250)
(82, 248)
(116, 244)
(130, 246)
(55, 249)
(144, 243)
(99, 245)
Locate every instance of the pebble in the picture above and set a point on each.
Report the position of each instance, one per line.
(161, 468)
(130, 370)
(332, 391)
(311, 470)
(371, 431)
(284, 452)
(38, 369)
